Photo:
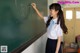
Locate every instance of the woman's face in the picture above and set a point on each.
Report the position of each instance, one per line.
(53, 13)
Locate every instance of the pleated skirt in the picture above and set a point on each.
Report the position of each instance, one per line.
(51, 46)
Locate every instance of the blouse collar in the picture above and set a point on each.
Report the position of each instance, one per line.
(55, 20)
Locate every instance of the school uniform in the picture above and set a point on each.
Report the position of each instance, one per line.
(53, 32)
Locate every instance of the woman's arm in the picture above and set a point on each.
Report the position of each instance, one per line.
(37, 11)
(58, 44)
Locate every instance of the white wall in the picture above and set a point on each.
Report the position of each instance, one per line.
(38, 46)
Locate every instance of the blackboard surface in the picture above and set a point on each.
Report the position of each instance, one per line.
(19, 22)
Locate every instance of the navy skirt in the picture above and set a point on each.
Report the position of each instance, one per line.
(51, 46)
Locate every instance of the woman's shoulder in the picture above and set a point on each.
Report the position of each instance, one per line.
(58, 26)
(45, 18)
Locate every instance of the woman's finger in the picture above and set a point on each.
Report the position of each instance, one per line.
(33, 4)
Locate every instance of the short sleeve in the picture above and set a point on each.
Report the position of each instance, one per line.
(45, 19)
(59, 31)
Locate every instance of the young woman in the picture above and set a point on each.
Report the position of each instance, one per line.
(55, 27)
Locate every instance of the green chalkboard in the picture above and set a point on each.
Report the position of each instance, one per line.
(19, 23)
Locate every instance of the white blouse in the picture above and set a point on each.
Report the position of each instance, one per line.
(54, 30)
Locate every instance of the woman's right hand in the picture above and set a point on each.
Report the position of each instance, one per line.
(37, 11)
(33, 5)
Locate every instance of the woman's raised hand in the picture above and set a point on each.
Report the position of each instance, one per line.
(37, 11)
(33, 5)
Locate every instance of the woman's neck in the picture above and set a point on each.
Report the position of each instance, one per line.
(54, 17)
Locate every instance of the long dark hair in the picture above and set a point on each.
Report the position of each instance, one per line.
(57, 7)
